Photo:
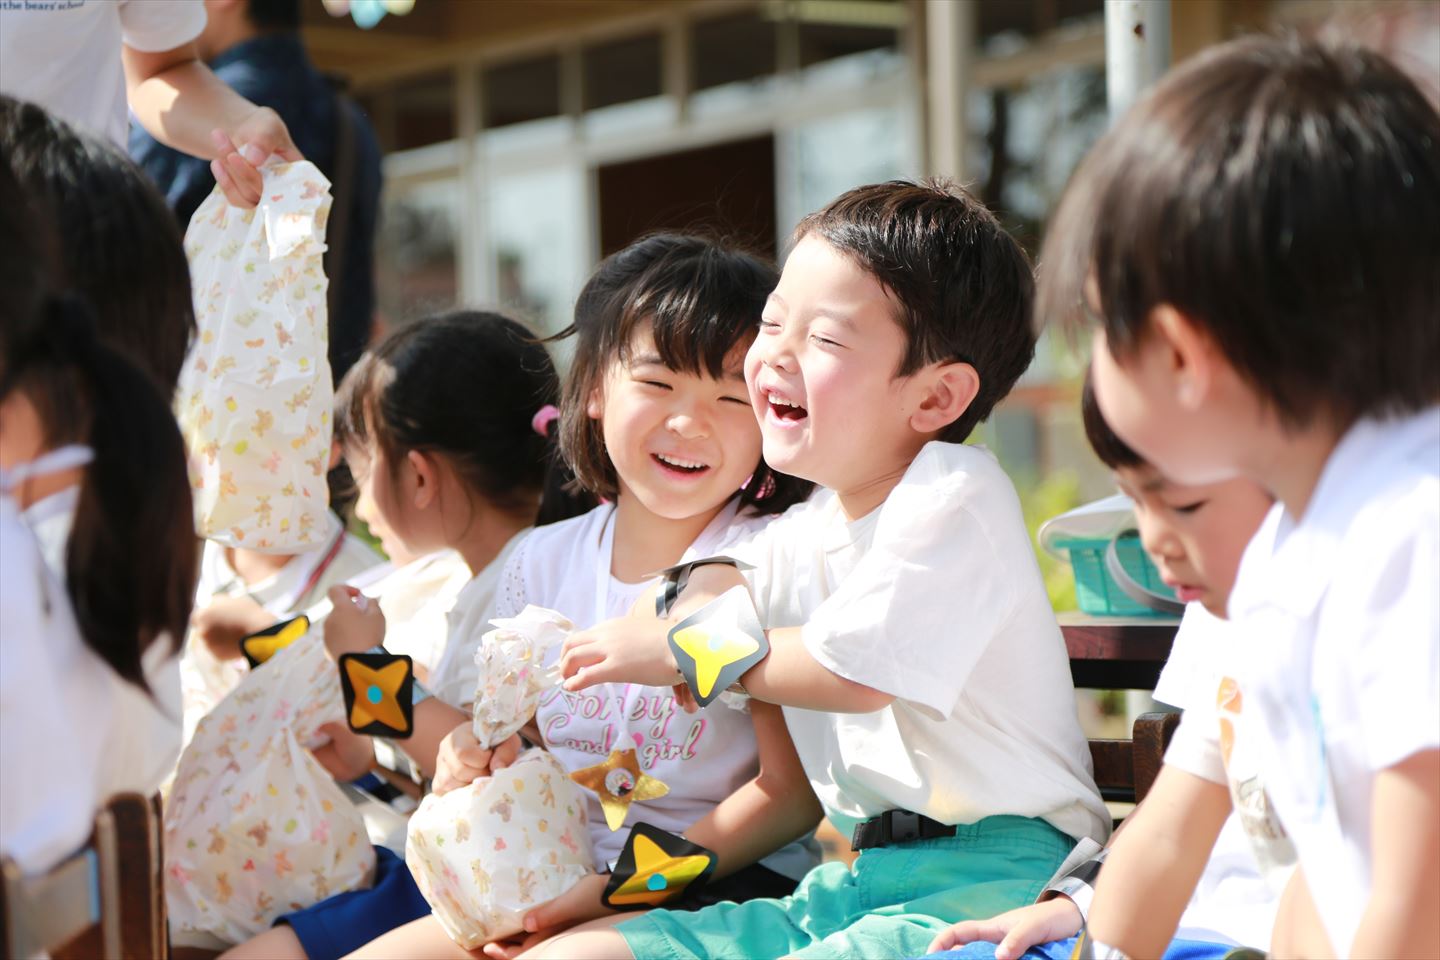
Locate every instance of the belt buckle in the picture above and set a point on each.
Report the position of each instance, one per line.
(904, 826)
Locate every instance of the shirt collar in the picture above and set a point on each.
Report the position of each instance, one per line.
(1290, 563)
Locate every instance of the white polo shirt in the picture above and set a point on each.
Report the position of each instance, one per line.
(1342, 614)
(935, 598)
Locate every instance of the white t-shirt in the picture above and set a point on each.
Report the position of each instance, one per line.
(1232, 902)
(1342, 614)
(935, 598)
(300, 584)
(65, 54)
(139, 731)
(702, 757)
(416, 600)
(53, 709)
(453, 679)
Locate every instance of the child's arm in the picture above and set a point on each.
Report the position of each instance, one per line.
(1155, 863)
(635, 649)
(761, 816)
(1400, 918)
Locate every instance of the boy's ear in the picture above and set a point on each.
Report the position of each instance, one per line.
(948, 391)
(427, 478)
(1190, 355)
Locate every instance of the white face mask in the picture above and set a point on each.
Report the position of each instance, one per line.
(48, 520)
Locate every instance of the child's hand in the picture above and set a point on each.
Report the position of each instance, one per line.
(627, 649)
(348, 756)
(575, 906)
(242, 151)
(226, 621)
(461, 760)
(1016, 931)
(355, 625)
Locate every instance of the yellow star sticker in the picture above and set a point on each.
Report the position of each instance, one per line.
(377, 693)
(261, 646)
(619, 783)
(714, 646)
(655, 868)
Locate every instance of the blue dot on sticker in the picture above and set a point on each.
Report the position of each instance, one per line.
(716, 643)
(373, 694)
(657, 882)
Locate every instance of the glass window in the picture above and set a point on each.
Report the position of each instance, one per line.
(732, 49)
(521, 91)
(424, 111)
(838, 152)
(621, 71)
(415, 249)
(538, 240)
(830, 41)
(1007, 25)
(1025, 141)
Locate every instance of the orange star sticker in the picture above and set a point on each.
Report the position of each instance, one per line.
(654, 868)
(377, 693)
(264, 644)
(619, 783)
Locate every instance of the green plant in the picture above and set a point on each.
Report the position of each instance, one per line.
(1039, 501)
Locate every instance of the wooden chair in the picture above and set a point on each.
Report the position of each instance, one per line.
(106, 901)
(1123, 654)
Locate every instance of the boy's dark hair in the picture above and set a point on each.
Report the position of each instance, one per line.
(1112, 451)
(1282, 195)
(119, 244)
(963, 286)
(274, 14)
(464, 384)
(701, 299)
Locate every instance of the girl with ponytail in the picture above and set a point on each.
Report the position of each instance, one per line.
(94, 477)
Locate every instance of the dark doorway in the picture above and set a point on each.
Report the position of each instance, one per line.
(728, 188)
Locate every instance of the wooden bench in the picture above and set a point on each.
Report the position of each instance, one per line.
(107, 900)
(1123, 654)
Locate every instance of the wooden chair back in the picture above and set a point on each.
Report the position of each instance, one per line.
(107, 900)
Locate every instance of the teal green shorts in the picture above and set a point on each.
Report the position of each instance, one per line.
(891, 904)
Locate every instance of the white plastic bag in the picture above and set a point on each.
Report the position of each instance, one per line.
(254, 826)
(486, 854)
(255, 393)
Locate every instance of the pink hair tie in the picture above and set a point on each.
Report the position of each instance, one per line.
(545, 416)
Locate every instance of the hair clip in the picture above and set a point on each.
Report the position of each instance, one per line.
(264, 644)
(655, 868)
(545, 416)
(378, 690)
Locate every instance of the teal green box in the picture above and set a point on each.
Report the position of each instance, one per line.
(1099, 595)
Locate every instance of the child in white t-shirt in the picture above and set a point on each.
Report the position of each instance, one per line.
(1195, 534)
(94, 483)
(655, 420)
(1265, 306)
(438, 425)
(922, 674)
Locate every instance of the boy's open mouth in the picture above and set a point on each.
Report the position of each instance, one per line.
(679, 464)
(785, 410)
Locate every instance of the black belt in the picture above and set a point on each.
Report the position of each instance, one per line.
(897, 826)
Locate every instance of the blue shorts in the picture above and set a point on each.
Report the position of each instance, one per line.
(347, 921)
(1064, 949)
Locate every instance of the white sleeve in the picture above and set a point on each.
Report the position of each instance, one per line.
(1396, 653)
(1195, 747)
(510, 593)
(151, 26)
(1190, 675)
(919, 610)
